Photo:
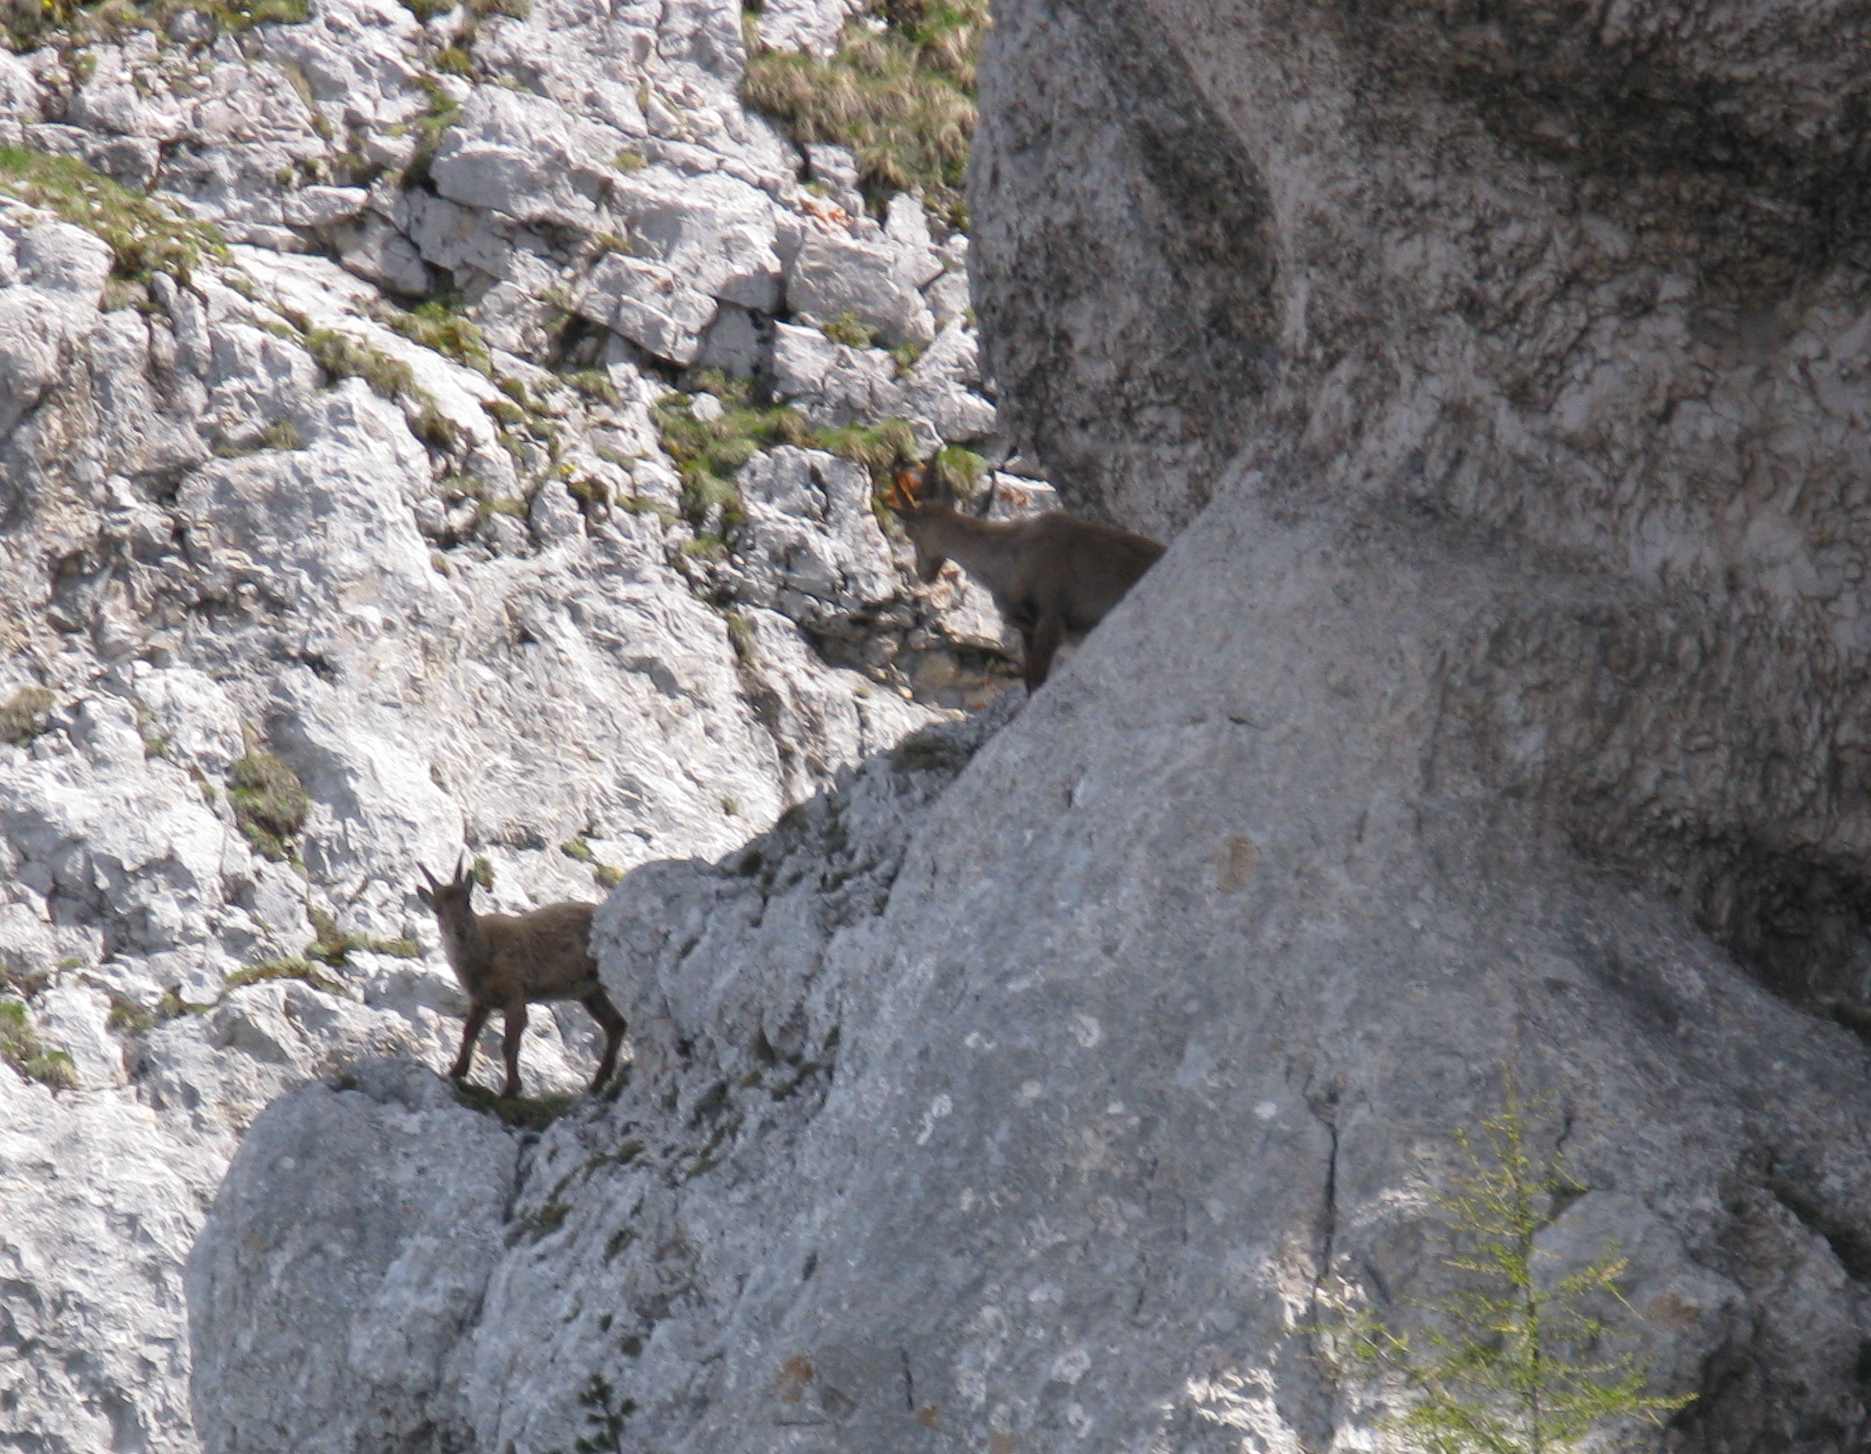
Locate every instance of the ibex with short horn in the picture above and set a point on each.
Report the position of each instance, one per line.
(505, 961)
(1049, 574)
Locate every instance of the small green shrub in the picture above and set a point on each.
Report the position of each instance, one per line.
(441, 114)
(847, 329)
(630, 160)
(270, 802)
(453, 60)
(881, 448)
(576, 849)
(482, 871)
(956, 471)
(1516, 1364)
(434, 428)
(26, 714)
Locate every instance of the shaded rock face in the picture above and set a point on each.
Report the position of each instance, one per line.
(1586, 280)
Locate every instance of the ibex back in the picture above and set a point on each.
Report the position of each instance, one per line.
(1049, 574)
(504, 961)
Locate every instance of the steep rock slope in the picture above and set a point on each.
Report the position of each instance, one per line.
(1591, 278)
(1498, 709)
(348, 533)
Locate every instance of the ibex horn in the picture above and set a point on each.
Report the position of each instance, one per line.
(459, 859)
(433, 885)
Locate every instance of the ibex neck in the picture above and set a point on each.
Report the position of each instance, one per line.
(465, 945)
(985, 548)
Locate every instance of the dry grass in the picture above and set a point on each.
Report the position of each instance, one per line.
(902, 98)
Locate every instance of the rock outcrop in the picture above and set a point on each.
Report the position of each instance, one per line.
(341, 350)
(1049, 1081)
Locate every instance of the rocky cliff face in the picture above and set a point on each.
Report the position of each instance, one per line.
(1046, 1082)
(362, 499)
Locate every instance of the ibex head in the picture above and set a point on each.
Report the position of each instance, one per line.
(914, 513)
(451, 901)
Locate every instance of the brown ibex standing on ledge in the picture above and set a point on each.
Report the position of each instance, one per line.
(1048, 574)
(505, 960)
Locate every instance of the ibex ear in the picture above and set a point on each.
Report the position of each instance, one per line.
(903, 490)
(428, 899)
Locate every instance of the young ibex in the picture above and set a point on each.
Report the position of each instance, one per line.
(506, 960)
(1048, 574)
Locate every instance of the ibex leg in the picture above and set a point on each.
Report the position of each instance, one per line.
(607, 1015)
(510, 1045)
(477, 1017)
(1042, 640)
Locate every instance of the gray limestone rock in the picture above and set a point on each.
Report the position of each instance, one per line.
(404, 1280)
(834, 275)
(439, 577)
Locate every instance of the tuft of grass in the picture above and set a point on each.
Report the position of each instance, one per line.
(709, 453)
(630, 160)
(270, 802)
(482, 871)
(26, 714)
(741, 639)
(334, 946)
(427, 10)
(454, 60)
(144, 236)
(269, 970)
(512, 9)
(29, 24)
(595, 384)
(607, 876)
(881, 448)
(956, 471)
(344, 357)
(576, 849)
(434, 428)
(900, 96)
(127, 1017)
(20, 1048)
(281, 434)
(847, 329)
(438, 325)
(442, 111)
